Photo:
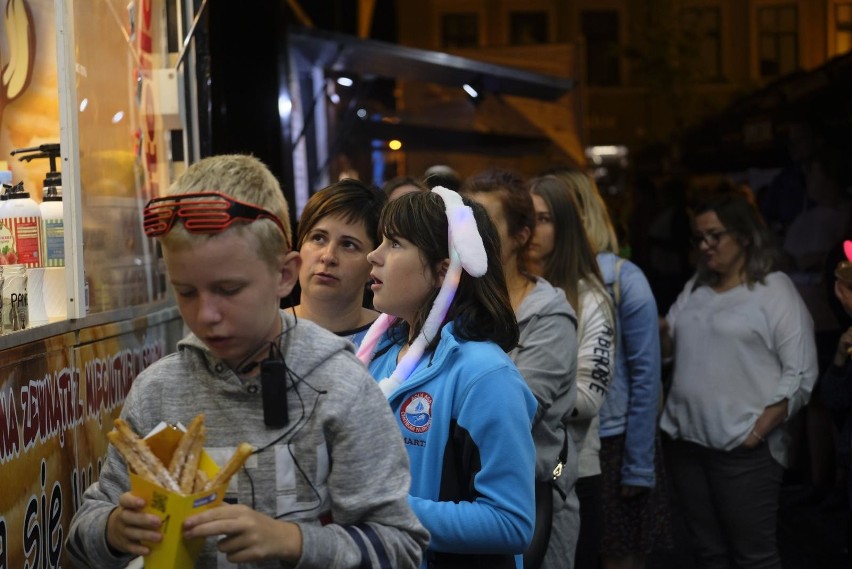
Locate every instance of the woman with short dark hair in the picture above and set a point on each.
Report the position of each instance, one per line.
(337, 229)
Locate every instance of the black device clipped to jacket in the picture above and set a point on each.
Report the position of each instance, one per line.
(273, 386)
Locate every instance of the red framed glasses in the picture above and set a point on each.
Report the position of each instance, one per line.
(202, 212)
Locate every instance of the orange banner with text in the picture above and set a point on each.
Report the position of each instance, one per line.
(58, 399)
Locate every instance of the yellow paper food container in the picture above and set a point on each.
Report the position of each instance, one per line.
(173, 551)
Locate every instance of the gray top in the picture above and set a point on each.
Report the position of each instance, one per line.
(546, 356)
(339, 457)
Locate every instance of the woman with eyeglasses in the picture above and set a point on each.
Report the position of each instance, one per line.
(744, 363)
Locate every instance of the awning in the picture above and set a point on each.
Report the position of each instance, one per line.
(342, 53)
(315, 55)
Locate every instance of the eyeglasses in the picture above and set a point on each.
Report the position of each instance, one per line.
(202, 212)
(711, 238)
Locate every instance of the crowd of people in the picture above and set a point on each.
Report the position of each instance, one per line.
(474, 377)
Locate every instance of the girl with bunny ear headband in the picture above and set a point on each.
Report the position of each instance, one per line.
(467, 252)
(439, 354)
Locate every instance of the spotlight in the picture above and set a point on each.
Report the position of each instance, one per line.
(475, 91)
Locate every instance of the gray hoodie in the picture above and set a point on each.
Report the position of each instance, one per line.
(338, 468)
(547, 358)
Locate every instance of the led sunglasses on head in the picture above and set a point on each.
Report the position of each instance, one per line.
(202, 212)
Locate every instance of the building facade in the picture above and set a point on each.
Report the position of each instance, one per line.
(647, 69)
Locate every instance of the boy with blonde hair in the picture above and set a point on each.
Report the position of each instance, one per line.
(327, 484)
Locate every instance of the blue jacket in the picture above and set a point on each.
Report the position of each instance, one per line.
(633, 399)
(465, 414)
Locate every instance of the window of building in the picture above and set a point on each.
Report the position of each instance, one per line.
(842, 28)
(526, 28)
(704, 27)
(778, 40)
(460, 29)
(601, 30)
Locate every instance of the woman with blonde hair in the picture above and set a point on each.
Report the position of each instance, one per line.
(546, 357)
(561, 254)
(636, 517)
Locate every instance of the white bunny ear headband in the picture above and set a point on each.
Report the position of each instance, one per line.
(466, 252)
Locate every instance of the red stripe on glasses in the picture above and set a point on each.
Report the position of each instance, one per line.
(202, 212)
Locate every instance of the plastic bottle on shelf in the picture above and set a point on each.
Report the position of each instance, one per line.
(20, 236)
(15, 313)
(54, 294)
(21, 243)
(53, 223)
(47, 278)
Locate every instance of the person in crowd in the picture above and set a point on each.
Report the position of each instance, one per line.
(808, 240)
(669, 264)
(438, 352)
(786, 196)
(835, 385)
(561, 253)
(545, 356)
(744, 363)
(401, 185)
(645, 203)
(338, 227)
(309, 495)
(443, 176)
(811, 235)
(636, 516)
(836, 435)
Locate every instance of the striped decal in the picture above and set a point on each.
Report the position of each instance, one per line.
(359, 541)
(378, 547)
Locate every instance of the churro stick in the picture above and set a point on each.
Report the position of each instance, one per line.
(234, 464)
(188, 441)
(130, 456)
(193, 457)
(201, 480)
(130, 443)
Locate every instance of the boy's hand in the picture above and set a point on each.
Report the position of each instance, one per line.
(247, 536)
(127, 526)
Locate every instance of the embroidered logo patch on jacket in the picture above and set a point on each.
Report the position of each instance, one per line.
(416, 412)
